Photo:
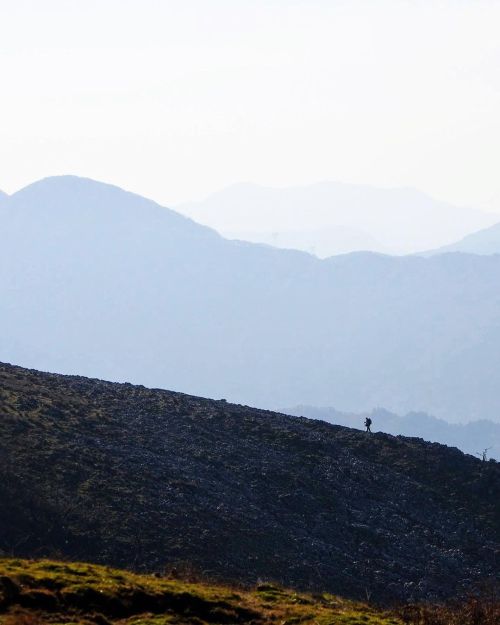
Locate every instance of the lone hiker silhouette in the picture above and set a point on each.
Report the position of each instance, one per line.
(368, 423)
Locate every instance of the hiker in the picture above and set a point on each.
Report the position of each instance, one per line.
(368, 423)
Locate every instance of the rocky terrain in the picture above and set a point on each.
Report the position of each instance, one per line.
(151, 479)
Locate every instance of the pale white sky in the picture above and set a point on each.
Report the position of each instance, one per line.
(174, 99)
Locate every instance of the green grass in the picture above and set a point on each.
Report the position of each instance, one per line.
(62, 593)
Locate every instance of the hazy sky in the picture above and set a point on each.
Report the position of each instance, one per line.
(177, 98)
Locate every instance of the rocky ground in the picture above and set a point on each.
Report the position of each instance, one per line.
(155, 480)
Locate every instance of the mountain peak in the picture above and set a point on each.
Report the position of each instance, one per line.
(134, 291)
(66, 187)
(68, 197)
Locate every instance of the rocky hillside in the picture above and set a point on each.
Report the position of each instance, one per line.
(151, 479)
(473, 438)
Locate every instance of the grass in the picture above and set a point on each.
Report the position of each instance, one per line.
(62, 593)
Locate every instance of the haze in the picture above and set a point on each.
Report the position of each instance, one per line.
(178, 99)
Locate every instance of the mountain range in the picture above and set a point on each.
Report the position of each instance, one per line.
(150, 479)
(101, 282)
(332, 218)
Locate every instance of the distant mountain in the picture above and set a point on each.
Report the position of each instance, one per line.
(485, 241)
(149, 479)
(322, 242)
(332, 218)
(472, 438)
(97, 281)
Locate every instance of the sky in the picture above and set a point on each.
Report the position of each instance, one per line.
(174, 99)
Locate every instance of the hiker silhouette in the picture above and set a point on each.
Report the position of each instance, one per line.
(368, 423)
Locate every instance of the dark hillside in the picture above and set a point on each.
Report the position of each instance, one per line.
(129, 476)
(472, 438)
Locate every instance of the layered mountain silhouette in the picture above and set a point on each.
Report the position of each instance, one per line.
(486, 241)
(98, 281)
(473, 438)
(151, 479)
(333, 218)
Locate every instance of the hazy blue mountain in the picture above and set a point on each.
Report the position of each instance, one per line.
(472, 438)
(100, 282)
(321, 242)
(3, 206)
(332, 218)
(486, 241)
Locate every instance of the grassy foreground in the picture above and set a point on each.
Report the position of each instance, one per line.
(37, 592)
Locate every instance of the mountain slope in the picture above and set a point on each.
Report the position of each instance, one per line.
(97, 281)
(472, 438)
(333, 218)
(3, 200)
(124, 475)
(486, 241)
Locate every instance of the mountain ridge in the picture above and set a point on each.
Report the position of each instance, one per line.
(483, 242)
(394, 220)
(97, 281)
(472, 438)
(57, 189)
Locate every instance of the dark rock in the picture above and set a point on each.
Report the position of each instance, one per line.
(151, 480)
